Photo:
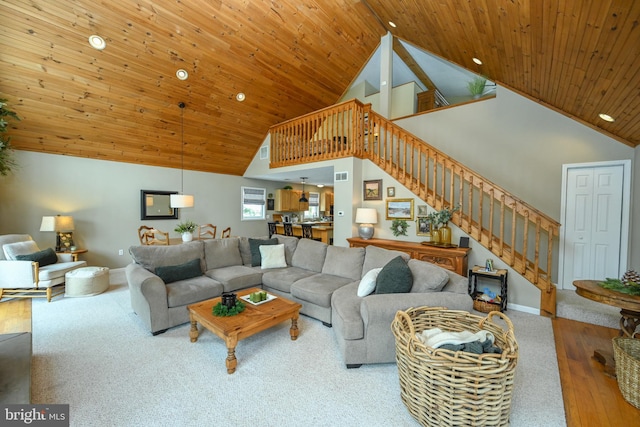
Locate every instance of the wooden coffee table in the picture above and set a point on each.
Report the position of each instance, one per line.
(254, 319)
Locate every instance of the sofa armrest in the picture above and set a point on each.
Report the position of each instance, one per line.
(148, 297)
(18, 274)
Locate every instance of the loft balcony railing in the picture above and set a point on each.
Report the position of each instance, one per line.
(520, 235)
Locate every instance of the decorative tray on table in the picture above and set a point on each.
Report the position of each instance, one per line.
(266, 298)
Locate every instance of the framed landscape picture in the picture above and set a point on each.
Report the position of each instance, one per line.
(400, 209)
(372, 190)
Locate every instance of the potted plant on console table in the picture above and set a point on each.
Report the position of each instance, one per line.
(186, 229)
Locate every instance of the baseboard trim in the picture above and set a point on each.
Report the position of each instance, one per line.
(523, 308)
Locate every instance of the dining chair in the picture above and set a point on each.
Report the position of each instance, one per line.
(206, 231)
(152, 236)
(272, 228)
(307, 232)
(226, 232)
(288, 228)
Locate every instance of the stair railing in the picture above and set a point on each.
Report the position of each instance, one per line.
(520, 235)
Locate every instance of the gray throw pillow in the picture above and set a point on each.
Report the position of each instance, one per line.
(394, 278)
(43, 257)
(173, 273)
(254, 244)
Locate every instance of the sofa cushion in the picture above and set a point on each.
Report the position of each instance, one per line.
(173, 273)
(376, 257)
(281, 279)
(193, 290)
(254, 245)
(236, 277)
(6, 239)
(151, 257)
(317, 289)
(368, 282)
(290, 245)
(58, 270)
(272, 256)
(309, 255)
(44, 257)
(344, 262)
(222, 252)
(11, 250)
(427, 277)
(395, 277)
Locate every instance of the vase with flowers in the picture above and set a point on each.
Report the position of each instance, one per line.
(186, 230)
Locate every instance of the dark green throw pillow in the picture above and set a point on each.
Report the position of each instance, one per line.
(43, 257)
(394, 278)
(254, 245)
(173, 273)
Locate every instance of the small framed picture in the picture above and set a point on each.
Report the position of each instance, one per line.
(423, 227)
(422, 210)
(372, 190)
(400, 209)
(391, 191)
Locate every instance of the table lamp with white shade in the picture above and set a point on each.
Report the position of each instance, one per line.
(366, 217)
(60, 224)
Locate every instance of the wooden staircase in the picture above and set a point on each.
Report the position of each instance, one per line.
(520, 235)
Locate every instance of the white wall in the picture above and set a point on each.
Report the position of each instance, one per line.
(104, 199)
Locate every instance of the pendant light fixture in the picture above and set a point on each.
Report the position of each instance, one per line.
(303, 199)
(181, 200)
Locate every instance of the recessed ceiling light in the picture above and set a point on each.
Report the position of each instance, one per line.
(393, 24)
(97, 42)
(477, 61)
(606, 117)
(182, 74)
(240, 96)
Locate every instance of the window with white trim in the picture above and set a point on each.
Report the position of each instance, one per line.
(314, 206)
(254, 201)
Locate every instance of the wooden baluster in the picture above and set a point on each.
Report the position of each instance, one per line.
(536, 265)
(523, 270)
(514, 220)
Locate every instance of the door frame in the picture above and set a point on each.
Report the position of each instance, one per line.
(626, 214)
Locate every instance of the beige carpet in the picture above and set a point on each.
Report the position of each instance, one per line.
(94, 354)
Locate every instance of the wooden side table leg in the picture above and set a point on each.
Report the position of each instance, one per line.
(193, 333)
(293, 331)
(231, 361)
(629, 321)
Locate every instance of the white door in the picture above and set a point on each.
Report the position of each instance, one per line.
(593, 222)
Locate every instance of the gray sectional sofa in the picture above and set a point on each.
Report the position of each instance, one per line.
(323, 279)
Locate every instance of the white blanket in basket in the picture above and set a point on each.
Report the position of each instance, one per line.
(436, 337)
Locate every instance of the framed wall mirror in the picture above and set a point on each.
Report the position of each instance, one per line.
(156, 205)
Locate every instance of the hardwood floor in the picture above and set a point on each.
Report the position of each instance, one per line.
(591, 398)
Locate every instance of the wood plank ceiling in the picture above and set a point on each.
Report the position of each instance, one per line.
(289, 58)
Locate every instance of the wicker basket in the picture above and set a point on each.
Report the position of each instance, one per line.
(445, 388)
(626, 352)
(485, 306)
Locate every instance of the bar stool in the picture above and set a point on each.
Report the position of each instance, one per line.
(288, 229)
(272, 228)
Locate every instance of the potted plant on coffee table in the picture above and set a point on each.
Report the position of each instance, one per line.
(186, 229)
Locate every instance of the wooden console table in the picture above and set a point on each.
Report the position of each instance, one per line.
(454, 259)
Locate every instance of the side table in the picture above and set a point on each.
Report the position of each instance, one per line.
(500, 275)
(74, 253)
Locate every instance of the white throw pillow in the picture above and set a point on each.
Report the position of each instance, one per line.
(368, 282)
(272, 256)
(11, 250)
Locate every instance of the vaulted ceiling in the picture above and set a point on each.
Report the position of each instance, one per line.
(289, 58)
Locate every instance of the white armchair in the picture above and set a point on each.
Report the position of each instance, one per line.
(26, 279)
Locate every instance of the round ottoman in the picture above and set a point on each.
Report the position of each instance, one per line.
(86, 281)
